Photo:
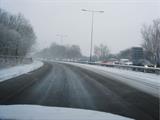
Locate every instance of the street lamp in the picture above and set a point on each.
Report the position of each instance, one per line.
(61, 37)
(92, 12)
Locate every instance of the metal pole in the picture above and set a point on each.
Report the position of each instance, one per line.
(92, 11)
(61, 39)
(61, 36)
(91, 37)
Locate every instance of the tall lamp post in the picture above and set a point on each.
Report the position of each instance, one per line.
(92, 13)
(61, 37)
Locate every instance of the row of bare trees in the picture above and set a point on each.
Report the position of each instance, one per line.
(16, 34)
(61, 52)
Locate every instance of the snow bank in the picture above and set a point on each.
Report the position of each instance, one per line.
(36, 112)
(148, 77)
(15, 71)
(146, 82)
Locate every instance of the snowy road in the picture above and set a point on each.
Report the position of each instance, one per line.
(146, 82)
(64, 85)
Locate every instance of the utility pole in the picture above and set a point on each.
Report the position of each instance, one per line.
(62, 36)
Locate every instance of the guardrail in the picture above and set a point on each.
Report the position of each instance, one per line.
(128, 67)
(13, 60)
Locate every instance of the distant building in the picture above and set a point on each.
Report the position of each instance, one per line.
(137, 55)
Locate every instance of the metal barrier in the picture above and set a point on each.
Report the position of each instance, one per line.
(127, 67)
(13, 60)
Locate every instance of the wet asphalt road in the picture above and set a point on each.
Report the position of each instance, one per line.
(63, 85)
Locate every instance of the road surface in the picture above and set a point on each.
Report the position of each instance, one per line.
(63, 85)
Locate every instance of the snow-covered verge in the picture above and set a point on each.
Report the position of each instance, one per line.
(146, 82)
(36, 112)
(18, 70)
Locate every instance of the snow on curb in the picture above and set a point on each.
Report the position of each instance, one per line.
(15, 71)
(36, 112)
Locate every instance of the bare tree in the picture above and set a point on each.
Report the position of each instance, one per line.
(125, 54)
(101, 52)
(151, 41)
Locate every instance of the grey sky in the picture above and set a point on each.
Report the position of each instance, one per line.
(118, 27)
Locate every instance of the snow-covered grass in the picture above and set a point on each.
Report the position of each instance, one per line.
(18, 70)
(147, 82)
(35, 112)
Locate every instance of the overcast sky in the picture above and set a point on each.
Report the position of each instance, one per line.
(118, 27)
